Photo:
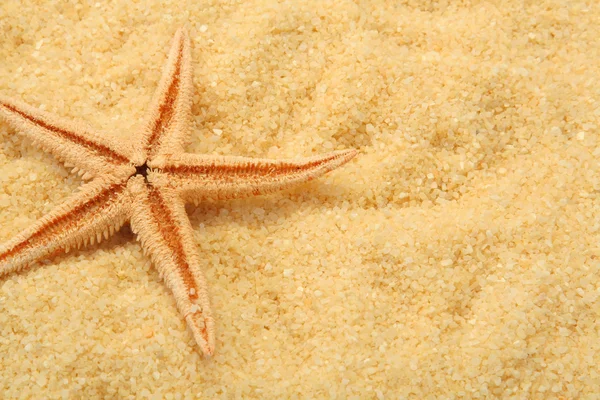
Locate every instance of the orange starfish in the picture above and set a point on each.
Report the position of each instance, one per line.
(147, 183)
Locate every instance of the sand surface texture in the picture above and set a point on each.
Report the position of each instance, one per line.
(455, 257)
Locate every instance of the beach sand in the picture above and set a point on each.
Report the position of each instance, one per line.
(456, 257)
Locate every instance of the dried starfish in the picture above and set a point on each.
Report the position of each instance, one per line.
(147, 183)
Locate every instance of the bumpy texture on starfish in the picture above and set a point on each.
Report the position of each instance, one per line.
(147, 183)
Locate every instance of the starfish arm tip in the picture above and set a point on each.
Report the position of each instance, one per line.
(203, 336)
(348, 154)
(182, 30)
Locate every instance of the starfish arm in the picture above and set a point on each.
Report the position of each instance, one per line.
(161, 224)
(225, 177)
(167, 122)
(73, 143)
(99, 209)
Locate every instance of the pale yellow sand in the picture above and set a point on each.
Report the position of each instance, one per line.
(456, 257)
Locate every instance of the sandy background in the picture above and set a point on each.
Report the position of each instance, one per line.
(456, 257)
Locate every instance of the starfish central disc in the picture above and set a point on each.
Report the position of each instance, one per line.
(142, 170)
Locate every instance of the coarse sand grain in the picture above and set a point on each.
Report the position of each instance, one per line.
(457, 257)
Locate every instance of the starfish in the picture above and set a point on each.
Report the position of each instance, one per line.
(146, 182)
